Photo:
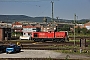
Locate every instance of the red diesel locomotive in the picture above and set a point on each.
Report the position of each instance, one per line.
(61, 36)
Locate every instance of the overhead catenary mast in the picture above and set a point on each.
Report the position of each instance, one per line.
(74, 29)
(52, 11)
(52, 20)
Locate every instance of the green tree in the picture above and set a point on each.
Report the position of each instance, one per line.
(78, 30)
(88, 32)
(84, 30)
(65, 28)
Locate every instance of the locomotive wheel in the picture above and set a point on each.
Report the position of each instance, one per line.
(35, 40)
(58, 40)
(62, 40)
(54, 41)
(42, 40)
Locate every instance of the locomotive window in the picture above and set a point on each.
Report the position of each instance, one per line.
(35, 35)
(33, 29)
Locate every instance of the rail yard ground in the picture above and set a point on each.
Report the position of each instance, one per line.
(43, 54)
(58, 50)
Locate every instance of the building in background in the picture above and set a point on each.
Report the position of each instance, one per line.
(17, 27)
(5, 33)
(87, 25)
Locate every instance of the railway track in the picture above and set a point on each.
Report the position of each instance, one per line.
(38, 43)
(78, 38)
(46, 45)
(34, 59)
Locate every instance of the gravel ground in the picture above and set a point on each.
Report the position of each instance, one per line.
(41, 54)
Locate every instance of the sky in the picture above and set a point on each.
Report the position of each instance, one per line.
(64, 9)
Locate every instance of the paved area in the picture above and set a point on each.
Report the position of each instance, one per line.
(40, 54)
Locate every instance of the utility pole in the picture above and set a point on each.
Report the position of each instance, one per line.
(7, 28)
(52, 10)
(74, 29)
(52, 21)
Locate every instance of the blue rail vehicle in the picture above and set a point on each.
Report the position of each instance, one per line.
(13, 49)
